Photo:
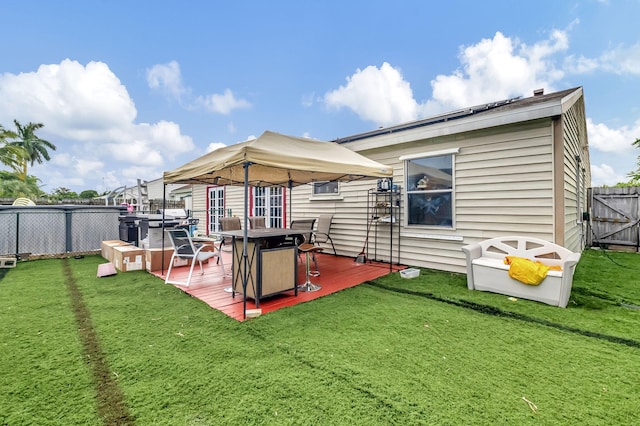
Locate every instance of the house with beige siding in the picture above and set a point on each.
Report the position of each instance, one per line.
(514, 167)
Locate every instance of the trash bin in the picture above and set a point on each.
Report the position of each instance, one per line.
(129, 229)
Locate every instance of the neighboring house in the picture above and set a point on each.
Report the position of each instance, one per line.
(514, 167)
(154, 191)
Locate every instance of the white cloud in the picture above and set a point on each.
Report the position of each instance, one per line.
(89, 115)
(619, 60)
(376, 94)
(81, 168)
(606, 139)
(223, 104)
(167, 78)
(498, 68)
(492, 69)
(617, 144)
(166, 136)
(604, 174)
(70, 99)
(215, 145)
(136, 149)
(308, 99)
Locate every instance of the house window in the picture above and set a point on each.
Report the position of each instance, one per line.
(324, 188)
(429, 183)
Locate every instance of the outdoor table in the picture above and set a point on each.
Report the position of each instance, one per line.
(272, 268)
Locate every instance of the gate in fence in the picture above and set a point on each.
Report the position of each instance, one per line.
(615, 213)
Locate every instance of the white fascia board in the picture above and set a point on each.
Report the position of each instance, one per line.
(461, 125)
(570, 99)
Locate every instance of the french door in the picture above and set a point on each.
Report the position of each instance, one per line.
(215, 208)
(269, 202)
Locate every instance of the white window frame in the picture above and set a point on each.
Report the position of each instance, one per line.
(313, 196)
(441, 153)
(315, 185)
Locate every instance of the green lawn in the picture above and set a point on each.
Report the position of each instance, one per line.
(129, 349)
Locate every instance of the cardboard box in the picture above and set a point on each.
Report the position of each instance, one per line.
(107, 248)
(128, 258)
(153, 259)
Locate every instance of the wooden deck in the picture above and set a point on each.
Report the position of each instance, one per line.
(337, 273)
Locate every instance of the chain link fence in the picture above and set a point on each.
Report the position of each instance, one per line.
(55, 231)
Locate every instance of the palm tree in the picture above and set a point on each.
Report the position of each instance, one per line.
(36, 149)
(13, 187)
(10, 155)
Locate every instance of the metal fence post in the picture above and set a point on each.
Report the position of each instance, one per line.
(68, 241)
(17, 235)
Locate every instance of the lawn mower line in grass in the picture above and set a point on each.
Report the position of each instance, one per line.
(109, 399)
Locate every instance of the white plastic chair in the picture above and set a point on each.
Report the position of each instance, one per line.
(185, 248)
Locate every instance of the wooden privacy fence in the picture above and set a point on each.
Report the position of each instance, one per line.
(615, 213)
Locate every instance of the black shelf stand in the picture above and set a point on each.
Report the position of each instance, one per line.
(383, 219)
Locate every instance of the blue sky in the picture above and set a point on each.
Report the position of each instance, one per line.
(129, 89)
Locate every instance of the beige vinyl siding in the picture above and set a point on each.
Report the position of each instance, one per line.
(349, 208)
(503, 186)
(575, 140)
(199, 205)
(234, 200)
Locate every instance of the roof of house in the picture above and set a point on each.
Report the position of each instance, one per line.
(540, 104)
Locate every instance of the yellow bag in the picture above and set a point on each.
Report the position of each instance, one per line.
(525, 270)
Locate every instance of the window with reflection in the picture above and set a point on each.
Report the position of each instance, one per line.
(429, 183)
(324, 188)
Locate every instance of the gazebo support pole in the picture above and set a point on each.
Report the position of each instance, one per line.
(245, 260)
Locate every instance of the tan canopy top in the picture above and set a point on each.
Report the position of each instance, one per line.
(278, 160)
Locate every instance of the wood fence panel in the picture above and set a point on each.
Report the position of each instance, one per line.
(615, 213)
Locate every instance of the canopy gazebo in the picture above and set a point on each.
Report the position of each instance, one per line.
(273, 160)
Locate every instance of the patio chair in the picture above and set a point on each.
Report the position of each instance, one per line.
(22, 201)
(307, 237)
(257, 222)
(185, 248)
(322, 233)
(303, 225)
(229, 224)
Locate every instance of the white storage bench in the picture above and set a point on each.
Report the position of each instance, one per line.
(486, 270)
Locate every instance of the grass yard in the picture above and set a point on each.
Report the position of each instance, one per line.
(128, 349)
